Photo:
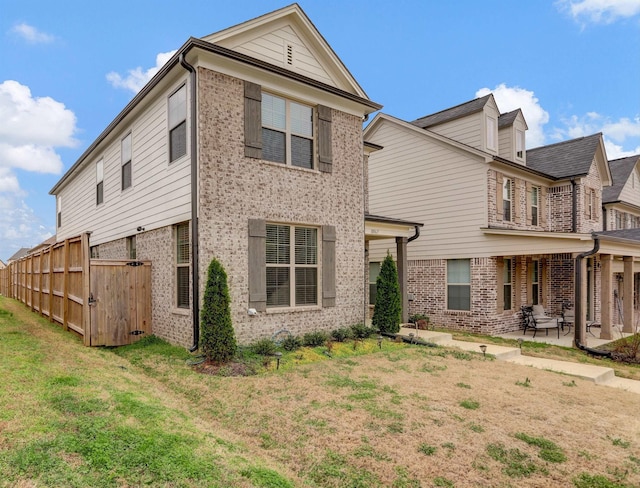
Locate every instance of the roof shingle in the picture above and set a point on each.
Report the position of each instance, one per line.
(620, 171)
(565, 159)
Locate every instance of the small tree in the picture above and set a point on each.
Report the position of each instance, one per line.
(387, 312)
(217, 338)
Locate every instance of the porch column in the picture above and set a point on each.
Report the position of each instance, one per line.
(628, 295)
(401, 250)
(606, 293)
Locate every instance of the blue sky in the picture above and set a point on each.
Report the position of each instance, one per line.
(68, 68)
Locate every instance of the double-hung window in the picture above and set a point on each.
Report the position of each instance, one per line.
(535, 282)
(535, 205)
(459, 284)
(374, 272)
(287, 131)
(178, 124)
(292, 265)
(182, 265)
(507, 275)
(519, 144)
(507, 201)
(131, 247)
(99, 182)
(125, 158)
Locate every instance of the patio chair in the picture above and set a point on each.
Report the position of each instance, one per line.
(568, 318)
(532, 321)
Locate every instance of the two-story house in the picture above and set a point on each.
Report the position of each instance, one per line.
(504, 225)
(246, 146)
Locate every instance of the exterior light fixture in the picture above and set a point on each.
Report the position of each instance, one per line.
(278, 357)
(483, 348)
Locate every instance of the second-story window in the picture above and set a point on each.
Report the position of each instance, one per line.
(125, 158)
(178, 124)
(519, 144)
(287, 131)
(99, 182)
(535, 198)
(507, 200)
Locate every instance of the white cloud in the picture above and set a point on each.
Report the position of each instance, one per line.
(138, 77)
(512, 98)
(31, 128)
(600, 11)
(19, 226)
(31, 34)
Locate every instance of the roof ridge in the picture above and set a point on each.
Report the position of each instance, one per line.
(451, 108)
(625, 157)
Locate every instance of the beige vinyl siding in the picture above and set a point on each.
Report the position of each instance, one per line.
(629, 193)
(160, 193)
(272, 48)
(419, 179)
(506, 143)
(467, 130)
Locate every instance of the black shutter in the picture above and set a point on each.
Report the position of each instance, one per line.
(257, 264)
(328, 266)
(325, 158)
(252, 120)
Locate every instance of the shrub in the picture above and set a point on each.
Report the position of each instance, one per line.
(387, 312)
(313, 339)
(265, 347)
(361, 331)
(342, 334)
(291, 343)
(217, 338)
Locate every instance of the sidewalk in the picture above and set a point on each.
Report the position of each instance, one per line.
(598, 374)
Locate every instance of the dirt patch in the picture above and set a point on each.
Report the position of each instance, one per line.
(232, 368)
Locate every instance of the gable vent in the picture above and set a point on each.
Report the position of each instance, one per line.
(289, 54)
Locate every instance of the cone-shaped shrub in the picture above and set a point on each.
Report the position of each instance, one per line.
(387, 312)
(217, 338)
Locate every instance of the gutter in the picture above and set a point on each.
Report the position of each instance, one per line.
(578, 326)
(195, 279)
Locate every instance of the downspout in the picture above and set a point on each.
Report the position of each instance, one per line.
(416, 235)
(574, 206)
(604, 218)
(578, 338)
(195, 279)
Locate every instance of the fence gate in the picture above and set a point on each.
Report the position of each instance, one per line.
(120, 302)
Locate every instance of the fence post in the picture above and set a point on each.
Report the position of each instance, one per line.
(86, 289)
(65, 286)
(51, 284)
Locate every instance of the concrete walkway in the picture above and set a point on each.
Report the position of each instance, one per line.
(598, 374)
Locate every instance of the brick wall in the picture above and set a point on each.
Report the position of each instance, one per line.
(234, 189)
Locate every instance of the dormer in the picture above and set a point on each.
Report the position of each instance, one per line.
(490, 119)
(511, 136)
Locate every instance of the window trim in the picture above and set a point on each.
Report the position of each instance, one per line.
(507, 210)
(289, 134)
(535, 205)
(171, 128)
(520, 142)
(292, 266)
(448, 284)
(126, 164)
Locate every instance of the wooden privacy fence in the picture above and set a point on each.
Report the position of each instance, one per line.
(112, 309)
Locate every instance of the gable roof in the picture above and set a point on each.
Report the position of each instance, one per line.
(620, 171)
(565, 159)
(453, 113)
(292, 24)
(507, 119)
(20, 253)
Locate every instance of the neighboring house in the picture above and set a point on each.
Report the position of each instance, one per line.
(2, 265)
(256, 131)
(505, 225)
(20, 253)
(621, 201)
(46, 243)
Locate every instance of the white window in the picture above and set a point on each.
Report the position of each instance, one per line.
(183, 256)
(492, 129)
(374, 272)
(535, 282)
(287, 131)
(507, 275)
(459, 284)
(59, 211)
(125, 159)
(535, 198)
(99, 182)
(131, 247)
(292, 265)
(507, 200)
(519, 144)
(178, 124)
